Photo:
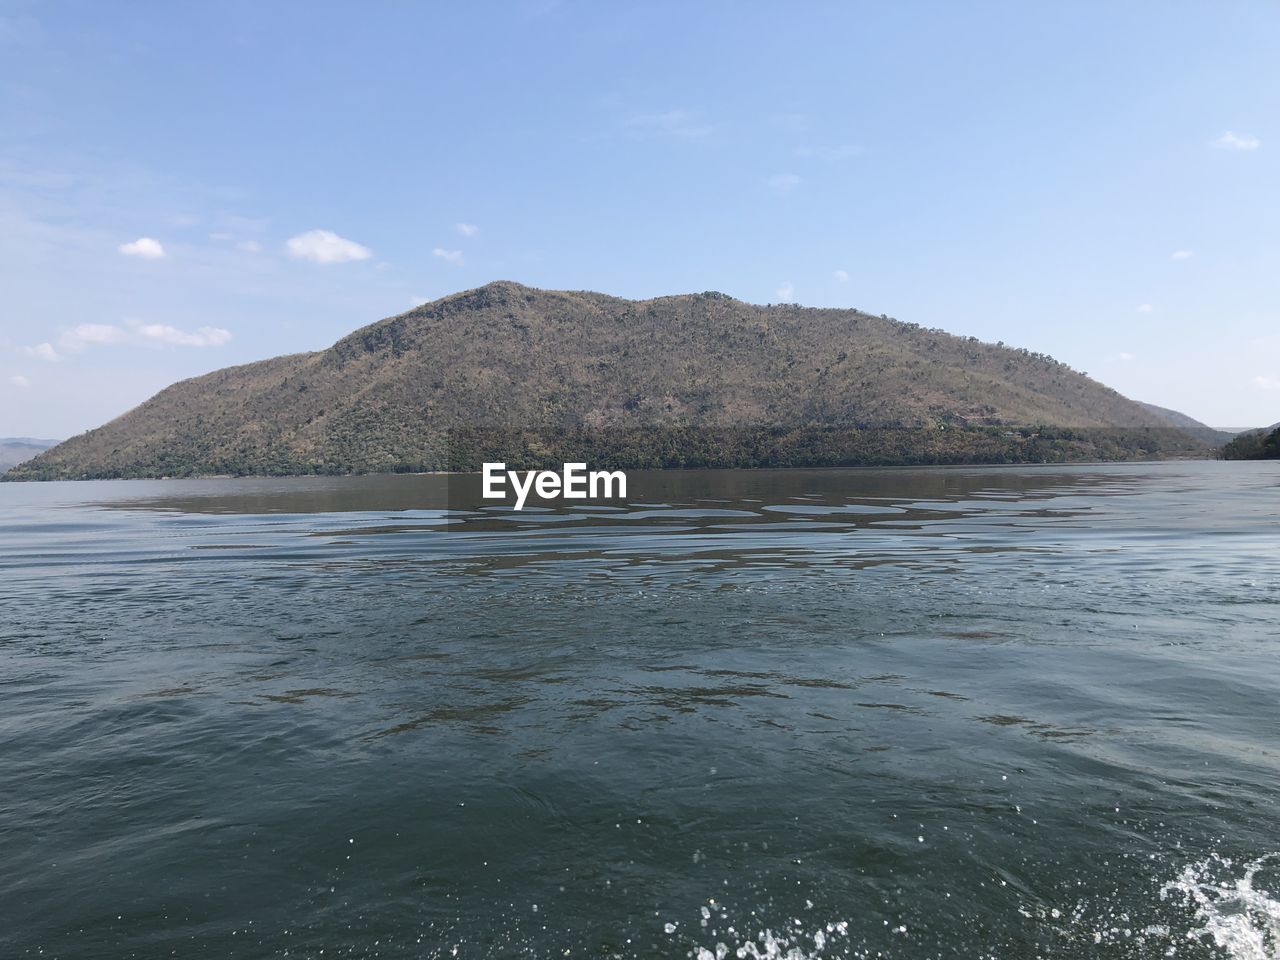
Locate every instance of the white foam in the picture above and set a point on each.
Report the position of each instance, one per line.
(796, 944)
(1241, 920)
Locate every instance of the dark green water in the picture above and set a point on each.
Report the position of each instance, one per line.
(1012, 713)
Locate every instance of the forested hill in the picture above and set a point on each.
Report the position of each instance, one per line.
(14, 450)
(1261, 444)
(526, 375)
(1194, 427)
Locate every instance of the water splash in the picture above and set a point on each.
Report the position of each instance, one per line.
(770, 945)
(1239, 918)
(793, 940)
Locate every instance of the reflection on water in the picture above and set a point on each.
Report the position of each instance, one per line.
(912, 713)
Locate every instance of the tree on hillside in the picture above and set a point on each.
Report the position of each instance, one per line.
(1253, 445)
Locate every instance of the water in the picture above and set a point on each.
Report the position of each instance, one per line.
(1015, 713)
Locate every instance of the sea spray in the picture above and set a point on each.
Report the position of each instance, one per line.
(1240, 918)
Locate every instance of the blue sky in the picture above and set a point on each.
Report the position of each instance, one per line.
(188, 186)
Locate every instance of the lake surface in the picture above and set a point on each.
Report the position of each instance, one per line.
(971, 712)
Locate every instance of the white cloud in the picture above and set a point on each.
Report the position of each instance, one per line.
(1125, 357)
(786, 292)
(449, 256)
(671, 123)
(144, 248)
(20, 381)
(1267, 383)
(1145, 308)
(840, 151)
(43, 351)
(163, 333)
(1181, 255)
(325, 246)
(249, 246)
(842, 276)
(783, 183)
(220, 236)
(85, 335)
(467, 229)
(1232, 141)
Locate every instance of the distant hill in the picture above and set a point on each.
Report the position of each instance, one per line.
(1194, 427)
(15, 450)
(1261, 444)
(534, 376)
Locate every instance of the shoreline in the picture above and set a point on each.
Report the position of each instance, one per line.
(674, 469)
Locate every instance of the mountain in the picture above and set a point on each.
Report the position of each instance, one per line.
(1261, 444)
(15, 450)
(535, 376)
(1181, 421)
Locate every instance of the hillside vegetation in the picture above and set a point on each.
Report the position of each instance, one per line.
(533, 376)
(1188, 425)
(15, 450)
(1254, 445)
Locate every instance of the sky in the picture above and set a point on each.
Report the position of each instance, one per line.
(189, 186)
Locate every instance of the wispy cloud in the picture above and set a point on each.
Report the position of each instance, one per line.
(454, 257)
(325, 246)
(43, 351)
(786, 292)
(783, 183)
(135, 333)
(83, 336)
(467, 229)
(144, 248)
(839, 151)
(842, 276)
(20, 381)
(1267, 383)
(1146, 308)
(162, 333)
(1181, 255)
(683, 124)
(1235, 141)
(246, 246)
